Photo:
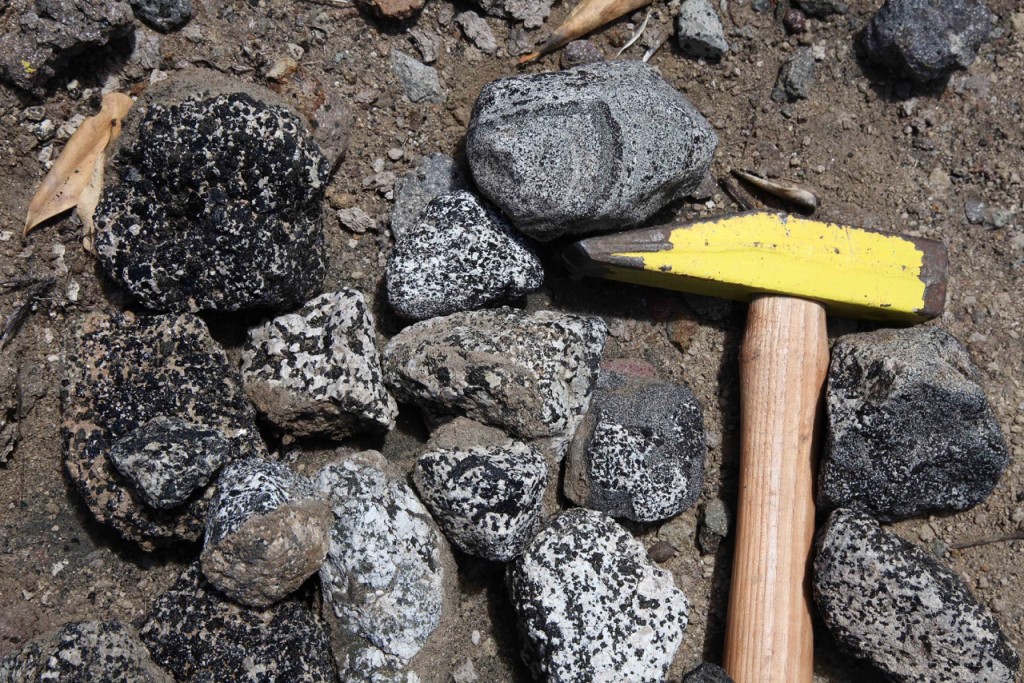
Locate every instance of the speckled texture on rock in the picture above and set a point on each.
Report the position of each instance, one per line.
(639, 452)
(598, 147)
(435, 175)
(592, 606)
(121, 371)
(217, 208)
(909, 428)
(531, 374)
(163, 15)
(707, 673)
(699, 30)
(890, 602)
(460, 255)
(198, 635)
(317, 372)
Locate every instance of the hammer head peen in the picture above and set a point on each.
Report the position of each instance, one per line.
(853, 272)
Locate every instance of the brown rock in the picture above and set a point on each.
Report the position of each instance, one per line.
(393, 9)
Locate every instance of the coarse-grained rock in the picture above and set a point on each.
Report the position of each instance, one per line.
(598, 147)
(909, 428)
(886, 600)
(795, 77)
(926, 40)
(198, 635)
(166, 459)
(531, 12)
(120, 372)
(107, 651)
(639, 451)
(707, 673)
(396, 10)
(436, 174)
(460, 255)
(316, 372)
(419, 81)
(477, 31)
(267, 531)
(580, 52)
(531, 374)
(591, 606)
(217, 208)
(699, 30)
(163, 15)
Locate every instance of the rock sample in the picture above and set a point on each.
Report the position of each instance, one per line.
(699, 30)
(822, 9)
(591, 605)
(9, 409)
(200, 636)
(317, 372)
(460, 255)
(707, 673)
(217, 208)
(395, 10)
(892, 603)
(926, 40)
(531, 12)
(418, 80)
(598, 147)
(795, 77)
(714, 526)
(909, 429)
(639, 451)
(163, 15)
(578, 53)
(122, 371)
(435, 175)
(530, 374)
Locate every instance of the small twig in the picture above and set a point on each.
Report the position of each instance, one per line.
(738, 195)
(21, 310)
(988, 540)
(657, 46)
(636, 36)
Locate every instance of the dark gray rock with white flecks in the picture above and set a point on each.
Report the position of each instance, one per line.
(892, 603)
(163, 15)
(598, 147)
(316, 372)
(591, 606)
(795, 77)
(435, 175)
(699, 30)
(460, 255)
(707, 673)
(909, 428)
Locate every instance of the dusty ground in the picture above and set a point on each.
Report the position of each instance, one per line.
(878, 161)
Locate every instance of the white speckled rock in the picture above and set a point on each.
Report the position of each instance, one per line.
(890, 602)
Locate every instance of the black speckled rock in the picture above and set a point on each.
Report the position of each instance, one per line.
(435, 175)
(217, 208)
(163, 15)
(460, 255)
(639, 452)
(707, 673)
(598, 147)
(892, 603)
(910, 430)
(592, 606)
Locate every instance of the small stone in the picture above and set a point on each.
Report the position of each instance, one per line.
(356, 220)
(531, 12)
(395, 10)
(714, 526)
(795, 77)
(434, 176)
(707, 673)
(396, 153)
(9, 411)
(478, 31)
(580, 52)
(794, 20)
(699, 30)
(426, 43)
(661, 551)
(281, 69)
(822, 9)
(938, 181)
(163, 15)
(418, 80)
(678, 531)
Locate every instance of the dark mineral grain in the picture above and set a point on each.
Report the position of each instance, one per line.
(163, 15)
(707, 673)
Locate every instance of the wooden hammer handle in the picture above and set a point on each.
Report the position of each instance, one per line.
(783, 364)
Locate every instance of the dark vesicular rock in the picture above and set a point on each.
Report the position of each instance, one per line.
(592, 606)
(892, 603)
(707, 673)
(910, 430)
(163, 15)
(433, 176)
(460, 255)
(699, 30)
(217, 208)
(598, 147)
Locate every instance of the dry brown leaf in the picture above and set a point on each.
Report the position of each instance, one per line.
(87, 203)
(584, 18)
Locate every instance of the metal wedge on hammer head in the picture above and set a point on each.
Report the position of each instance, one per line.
(791, 270)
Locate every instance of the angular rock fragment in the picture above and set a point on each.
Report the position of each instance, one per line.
(531, 12)
(8, 409)
(580, 52)
(435, 175)
(892, 603)
(316, 372)
(602, 146)
(478, 31)
(909, 429)
(163, 15)
(396, 10)
(822, 9)
(795, 77)
(699, 30)
(591, 605)
(714, 525)
(707, 673)
(419, 81)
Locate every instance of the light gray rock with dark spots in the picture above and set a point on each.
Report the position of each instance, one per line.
(531, 12)
(591, 605)
(886, 600)
(598, 147)
(419, 81)
(795, 77)
(460, 255)
(316, 372)
(699, 30)
(639, 452)
(909, 428)
(163, 15)
(434, 176)
(707, 673)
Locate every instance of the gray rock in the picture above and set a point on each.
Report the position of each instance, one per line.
(822, 9)
(163, 15)
(598, 147)
(699, 30)
(707, 673)
(478, 31)
(107, 651)
(9, 428)
(434, 176)
(419, 81)
(795, 77)
(317, 372)
(714, 526)
(926, 40)
(580, 52)
(356, 220)
(532, 374)
(531, 12)
(909, 429)
(591, 606)
(890, 602)
(639, 452)
(167, 459)
(460, 255)
(201, 636)
(218, 208)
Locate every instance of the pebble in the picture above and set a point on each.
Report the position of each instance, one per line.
(478, 31)
(435, 175)
(794, 20)
(714, 526)
(394, 10)
(795, 77)
(699, 30)
(427, 43)
(531, 12)
(822, 9)
(580, 52)
(419, 81)
(356, 220)
(9, 427)
(396, 153)
(707, 673)
(887, 601)
(163, 15)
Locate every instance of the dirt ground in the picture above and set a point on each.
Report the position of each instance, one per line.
(910, 165)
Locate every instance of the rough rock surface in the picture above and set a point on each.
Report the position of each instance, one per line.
(699, 30)
(580, 52)
(627, 144)
(639, 452)
(531, 12)
(8, 408)
(121, 371)
(435, 175)
(707, 673)
(478, 31)
(419, 81)
(396, 10)
(460, 255)
(909, 429)
(592, 606)
(890, 602)
(714, 525)
(531, 374)
(795, 77)
(822, 9)
(317, 372)
(163, 15)
(218, 208)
